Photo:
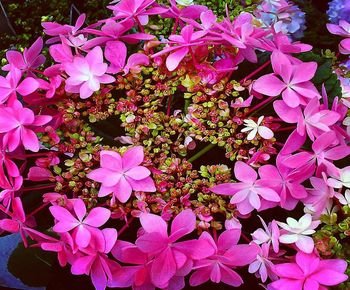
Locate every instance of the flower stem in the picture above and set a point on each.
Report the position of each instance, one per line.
(202, 152)
(260, 105)
(37, 210)
(260, 68)
(286, 129)
(126, 225)
(50, 186)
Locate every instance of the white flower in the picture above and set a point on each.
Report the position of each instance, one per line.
(298, 232)
(344, 199)
(342, 180)
(184, 2)
(255, 128)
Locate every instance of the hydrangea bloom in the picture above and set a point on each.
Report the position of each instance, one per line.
(84, 226)
(298, 232)
(121, 175)
(282, 16)
(309, 272)
(247, 193)
(86, 73)
(338, 10)
(17, 125)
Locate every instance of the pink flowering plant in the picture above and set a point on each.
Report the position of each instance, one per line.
(210, 154)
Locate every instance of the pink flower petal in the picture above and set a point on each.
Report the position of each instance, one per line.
(82, 236)
(138, 172)
(153, 223)
(97, 217)
(132, 157)
(269, 85)
(174, 59)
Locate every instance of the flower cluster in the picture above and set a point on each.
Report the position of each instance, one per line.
(153, 154)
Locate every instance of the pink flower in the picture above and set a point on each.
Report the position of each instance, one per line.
(284, 181)
(185, 13)
(18, 125)
(95, 262)
(298, 232)
(84, 226)
(63, 247)
(295, 85)
(247, 193)
(11, 85)
(137, 275)
(227, 254)
(313, 121)
(121, 175)
(184, 41)
(8, 190)
(170, 257)
(116, 52)
(86, 73)
(31, 58)
(324, 154)
(343, 29)
(57, 30)
(309, 272)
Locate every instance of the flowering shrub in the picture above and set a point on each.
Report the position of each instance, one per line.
(153, 155)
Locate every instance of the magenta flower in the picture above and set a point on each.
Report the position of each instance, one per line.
(11, 85)
(114, 31)
(227, 255)
(121, 175)
(95, 261)
(295, 85)
(18, 125)
(116, 53)
(169, 255)
(57, 30)
(86, 73)
(31, 58)
(314, 120)
(136, 10)
(247, 193)
(137, 275)
(183, 42)
(309, 272)
(184, 13)
(84, 226)
(63, 247)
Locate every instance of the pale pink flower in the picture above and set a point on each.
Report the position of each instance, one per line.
(298, 232)
(86, 73)
(342, 178)
(269, 235)
(343, 29)
(309, 272)
(85, 226)
(247, 193)
(18, 125)
(262, 266)
(227, 255)
(121, 175)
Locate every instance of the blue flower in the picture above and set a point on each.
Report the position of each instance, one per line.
(339, 10)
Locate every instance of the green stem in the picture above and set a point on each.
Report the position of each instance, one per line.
(202, 152)
(187, 104)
